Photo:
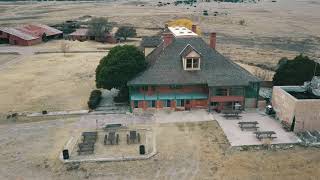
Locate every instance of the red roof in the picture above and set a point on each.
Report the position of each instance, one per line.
(39, 30)
(80, 32)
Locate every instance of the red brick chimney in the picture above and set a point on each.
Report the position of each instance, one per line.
(167, 38)
(194, 28)
(213, 40)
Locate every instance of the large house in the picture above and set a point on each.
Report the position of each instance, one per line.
(185, 72)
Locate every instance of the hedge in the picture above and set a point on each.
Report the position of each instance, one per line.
(94, 100)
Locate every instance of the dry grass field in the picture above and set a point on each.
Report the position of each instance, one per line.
(57, 82)
(51, 81)
(185, 151)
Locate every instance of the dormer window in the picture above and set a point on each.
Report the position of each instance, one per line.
(190, 58)
(192, 63)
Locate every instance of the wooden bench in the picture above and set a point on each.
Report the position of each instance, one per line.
(248, 125)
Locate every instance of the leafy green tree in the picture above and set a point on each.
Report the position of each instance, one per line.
(99, 27)
(125, 32)
(118, 67)
(296, 71)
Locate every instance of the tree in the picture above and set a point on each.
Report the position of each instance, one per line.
(99, 27)
(296, 71)
(118, 67)
(125, 32)
(185, 23)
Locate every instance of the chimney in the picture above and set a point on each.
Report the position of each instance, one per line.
(213, 40)
(194, 28)
(167, 39)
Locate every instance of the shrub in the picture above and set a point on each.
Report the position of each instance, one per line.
(95, 98)
(123, 95)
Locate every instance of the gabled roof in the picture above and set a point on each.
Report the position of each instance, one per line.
(187, 50)
(216, 70)
(152, 41)
(18, 33)
(80, 32)
(39, 30)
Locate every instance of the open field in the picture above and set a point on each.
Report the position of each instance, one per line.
(271, 30)
(5, 58)
(44, 81)
(185, 151)
(50, 81)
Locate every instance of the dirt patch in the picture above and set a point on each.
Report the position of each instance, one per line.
(200, 153)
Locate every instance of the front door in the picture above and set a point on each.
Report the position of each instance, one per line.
(187, 105)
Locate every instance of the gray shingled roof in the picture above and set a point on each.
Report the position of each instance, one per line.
(216, 70)
(152, 41)
(188, 49)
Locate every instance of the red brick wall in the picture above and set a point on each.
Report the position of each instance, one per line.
(159, 104)
(199, 103)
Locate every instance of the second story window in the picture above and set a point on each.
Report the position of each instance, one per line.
(192, 64)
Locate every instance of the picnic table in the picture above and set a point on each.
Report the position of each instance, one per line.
(87, 145)
(133, 137)
(265, 135)
(112, 138)
(231, 113)
(85, 148)
(248, 125)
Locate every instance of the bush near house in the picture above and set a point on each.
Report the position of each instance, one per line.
(120, 65)
(125, 32)
(296, 71)
(95, 98)
(99, 27)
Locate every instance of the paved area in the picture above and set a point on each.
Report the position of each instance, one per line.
(237, 137)
(99, 121)
(116, 152)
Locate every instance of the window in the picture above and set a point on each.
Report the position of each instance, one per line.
(192, 63)
(135, 104)
(180, 103)
(195, 63)
(222, 92)
(152, 103)
(189, 64)
(145, 88)
(168, 103)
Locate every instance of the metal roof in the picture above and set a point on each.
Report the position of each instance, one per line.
(18, 33)
(182, 32)
(80, 32)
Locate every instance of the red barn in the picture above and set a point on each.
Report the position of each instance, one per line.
(29, 34)
(17, 37)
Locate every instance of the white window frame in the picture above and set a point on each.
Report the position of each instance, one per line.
(193, 59)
